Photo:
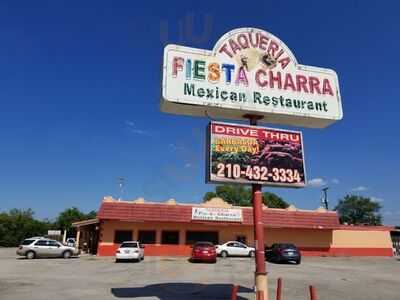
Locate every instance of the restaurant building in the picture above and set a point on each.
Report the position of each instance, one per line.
(170, 228)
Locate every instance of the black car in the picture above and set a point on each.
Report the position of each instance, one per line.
(283, 253)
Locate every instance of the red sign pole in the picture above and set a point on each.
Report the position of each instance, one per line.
(261, 282)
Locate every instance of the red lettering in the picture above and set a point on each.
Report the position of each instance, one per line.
(225, 50)
(326, 87)
(279, 54)
(284, 62)
(243, 41)
(177, 65)
(261, 82)
(289, 83)
(252, 43)
(301, 82)
(272, 48)
(276, 79)
(263, 42)
(234, 46)
(314, 85)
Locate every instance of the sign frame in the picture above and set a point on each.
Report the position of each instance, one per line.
(184, 105)
(208, 155)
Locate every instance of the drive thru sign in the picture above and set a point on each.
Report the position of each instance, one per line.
(249, 71)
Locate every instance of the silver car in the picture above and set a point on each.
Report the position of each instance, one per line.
(43, 247)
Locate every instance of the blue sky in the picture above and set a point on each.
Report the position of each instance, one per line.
(80, 90)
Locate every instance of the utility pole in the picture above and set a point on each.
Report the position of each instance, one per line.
(324, 199)
(121, 181)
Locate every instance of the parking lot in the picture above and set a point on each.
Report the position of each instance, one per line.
(176, 279)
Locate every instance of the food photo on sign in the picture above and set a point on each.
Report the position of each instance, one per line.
(252, 154)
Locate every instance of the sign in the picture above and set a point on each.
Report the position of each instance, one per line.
(53, 232)
(249, 71)
(252, 154)
(216, 214)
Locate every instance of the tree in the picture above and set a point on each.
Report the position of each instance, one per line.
(71, 215)
(274, 201)
(241, 196)
(16, 225)
(353, 209)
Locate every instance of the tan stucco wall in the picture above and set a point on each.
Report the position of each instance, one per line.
(300, 237)
(361, 239)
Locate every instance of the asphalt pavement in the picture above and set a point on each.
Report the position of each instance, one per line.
(88, 277)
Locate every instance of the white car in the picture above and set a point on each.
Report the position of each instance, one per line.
(130, 251)
(233, 248)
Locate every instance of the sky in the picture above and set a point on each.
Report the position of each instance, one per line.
(80, 95)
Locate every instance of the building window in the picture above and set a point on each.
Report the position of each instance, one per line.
(170, 237)
(121, 236)
(147, 236)
(201, 236)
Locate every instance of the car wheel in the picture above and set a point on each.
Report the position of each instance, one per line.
(67, 254)
(224, 254)
(117, 260)
(298, 261)
(251, 254)
(30, 255)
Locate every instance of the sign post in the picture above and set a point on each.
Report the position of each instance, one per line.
(260, 275)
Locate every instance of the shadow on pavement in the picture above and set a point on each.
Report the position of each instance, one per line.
(180, 291)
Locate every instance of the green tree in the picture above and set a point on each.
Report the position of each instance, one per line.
(274, 201)
(240, 195)
(71, 215)
(353, 209)
(16, 225)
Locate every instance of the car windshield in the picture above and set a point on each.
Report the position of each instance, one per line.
(27, 242)
(129, 245)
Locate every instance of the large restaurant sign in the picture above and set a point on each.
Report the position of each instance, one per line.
(249, 71)
(217, 214)
(251, 154)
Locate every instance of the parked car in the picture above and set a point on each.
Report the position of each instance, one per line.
(131, 250)
(233, 248)
(204, 251)
(283, 253)
(42, 247)
(70, 242)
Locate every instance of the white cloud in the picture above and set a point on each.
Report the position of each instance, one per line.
(377, 199)
(188, 165)
(132, 128)
(129, 123)
(316, 182)
(360, 188)
(335, 181)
